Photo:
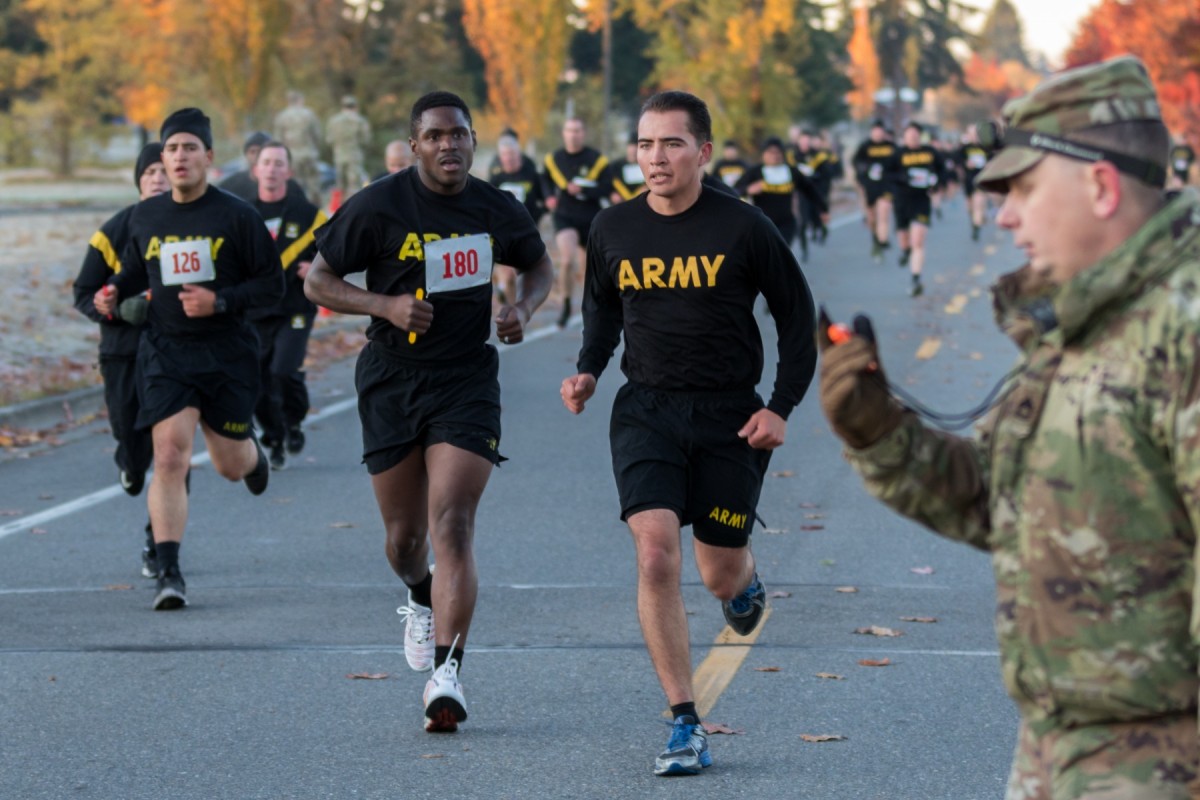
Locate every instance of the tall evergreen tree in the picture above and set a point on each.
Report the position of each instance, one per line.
(1003, 36)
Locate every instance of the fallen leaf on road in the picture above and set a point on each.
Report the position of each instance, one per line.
(775, 530)
(878, 630)
(341, 524)
(847, 589)
(782, 473)
(809, 505)
(922, 570)
(768, 669)
(874, 662)
(827, 562)
(814, 516)
(38, 531)
(432, 755)
(45, 496)
(956, 304)
(10, 512)
(929, 348)
(780, 594)
(721, 727)
(918, 619)
(367, 676)
(822, 737)
(279, 501)
(831, 676)
(989, 250)
(977, 356)
(118, 587)
(812, 527)
(978, 270)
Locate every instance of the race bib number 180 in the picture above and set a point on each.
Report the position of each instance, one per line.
(458, 263)
(186, 262)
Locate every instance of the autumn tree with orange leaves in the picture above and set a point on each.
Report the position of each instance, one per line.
(524, 47)
(1163, 35)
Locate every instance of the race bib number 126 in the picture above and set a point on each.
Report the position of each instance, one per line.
(186, 262)
(458, 263)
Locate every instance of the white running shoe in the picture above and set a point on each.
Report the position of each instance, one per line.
(445, 706)
(418, 635)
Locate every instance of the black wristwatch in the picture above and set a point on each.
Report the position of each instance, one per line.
(219, 305)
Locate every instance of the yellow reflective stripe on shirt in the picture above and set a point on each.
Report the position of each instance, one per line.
(555, 173)
(297, 247)
(623, 190)
(597, 168)
(100, 241)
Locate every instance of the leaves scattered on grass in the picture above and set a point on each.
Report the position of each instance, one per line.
(878, 630)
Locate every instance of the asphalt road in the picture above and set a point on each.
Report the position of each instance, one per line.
(246, 694)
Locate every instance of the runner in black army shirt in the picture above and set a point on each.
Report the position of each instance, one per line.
(428, 394)
(773, 185)
(972, 157)
(283, 329)
(731, 166)
(515, 173)
(624, 174)
(872, 160)
(119, 334)
(207, 258)
(678, 270)
(915, 170)
(575, 182)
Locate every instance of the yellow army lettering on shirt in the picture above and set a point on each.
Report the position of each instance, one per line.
(683, 273)
(881, 151)
(155, 246)
(917, 158)
(414, 248)
(724, 516)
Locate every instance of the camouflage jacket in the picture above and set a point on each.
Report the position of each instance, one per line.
(1083, 482)
(348, 132)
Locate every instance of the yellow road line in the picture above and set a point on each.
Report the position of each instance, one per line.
(716, 671)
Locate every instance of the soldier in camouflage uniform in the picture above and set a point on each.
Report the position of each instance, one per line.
(298, 128)
(348, 132)
(1084, 480)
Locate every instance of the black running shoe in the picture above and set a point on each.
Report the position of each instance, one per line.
(256, 481)
(974, 233)
(278, 458)
(295, 440)
(149, 562)
(744, 611)
(565, 315)
(917, 289)
(172, 592)
(905, 255)
(132, 482)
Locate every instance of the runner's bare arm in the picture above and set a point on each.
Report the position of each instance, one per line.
(325, 287)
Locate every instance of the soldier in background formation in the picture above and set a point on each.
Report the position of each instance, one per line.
(348, 133)
(300, 131)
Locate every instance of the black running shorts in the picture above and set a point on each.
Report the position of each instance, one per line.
(403, 407)
(681, 451)
(913, 208)
(877, 192)
(218, 375)
(581, 227)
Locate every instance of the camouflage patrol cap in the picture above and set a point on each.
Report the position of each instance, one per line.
(1041, 122)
